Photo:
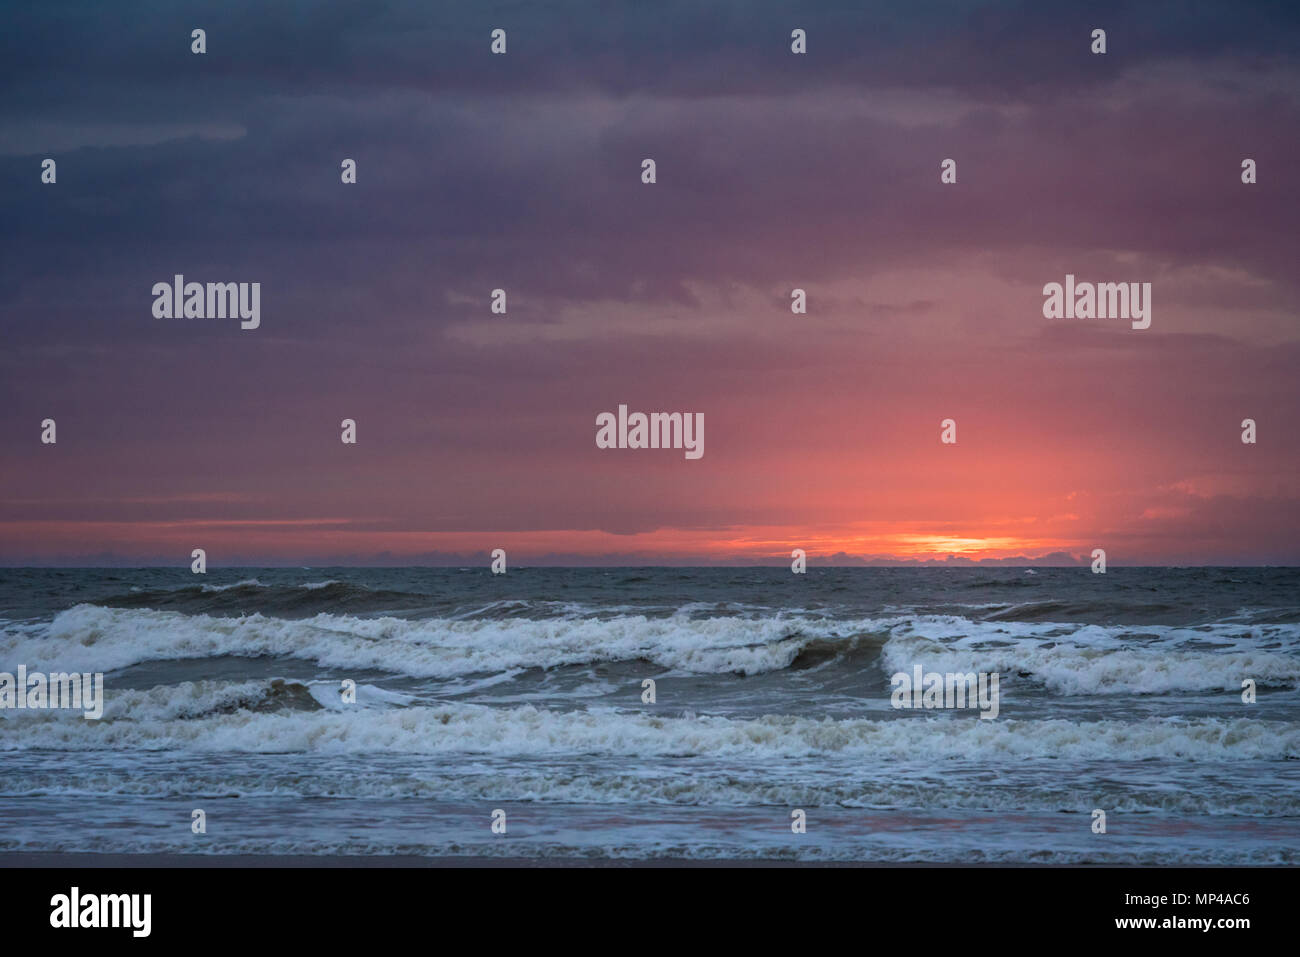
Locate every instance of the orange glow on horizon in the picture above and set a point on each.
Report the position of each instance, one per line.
(291, 539)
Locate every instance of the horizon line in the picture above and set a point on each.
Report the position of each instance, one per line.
(934, 563)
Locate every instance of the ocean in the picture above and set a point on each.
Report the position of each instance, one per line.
(518, 699)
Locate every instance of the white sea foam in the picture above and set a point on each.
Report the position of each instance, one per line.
(106, 639)
(327, 695)
(1100, 667)
(1033, 785)
(210, 716)
(1067, 659)
(246, 583)
(1231, 788)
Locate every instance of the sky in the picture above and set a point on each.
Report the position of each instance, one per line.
(774, 171)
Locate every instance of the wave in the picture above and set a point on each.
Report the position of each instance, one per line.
(92, 638)
(1150, 787)
(1068, 669)
(205, 716)
(1092, 609)
(238, 597)
(1063, 659)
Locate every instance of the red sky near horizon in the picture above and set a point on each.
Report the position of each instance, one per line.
(822, 431)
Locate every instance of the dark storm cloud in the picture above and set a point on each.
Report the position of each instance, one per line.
(679, 47)
(524, 163)
(740, 186)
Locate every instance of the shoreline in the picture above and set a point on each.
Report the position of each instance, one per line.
(67, 859)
